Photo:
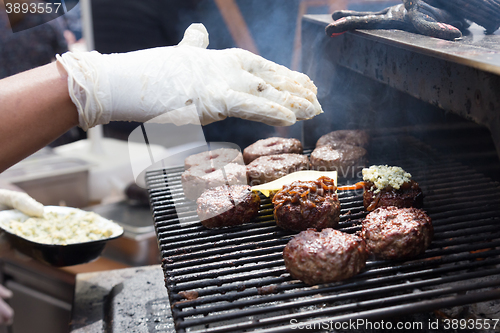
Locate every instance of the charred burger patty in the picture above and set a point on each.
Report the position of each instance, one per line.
(307, 204)
(390, 186)
(271, 146)
(227, 206)
(392, 233)
(352, 137)
(326, 256)
(268, 168)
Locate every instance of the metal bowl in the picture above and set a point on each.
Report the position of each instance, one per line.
(56, 254)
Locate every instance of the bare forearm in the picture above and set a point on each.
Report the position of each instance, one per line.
(35, 109)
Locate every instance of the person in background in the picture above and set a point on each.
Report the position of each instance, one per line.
(73, 22)
(73, 19)
(130, 25)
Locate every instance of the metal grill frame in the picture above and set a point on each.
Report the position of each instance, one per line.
(234, 279)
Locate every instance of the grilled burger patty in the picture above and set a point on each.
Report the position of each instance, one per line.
(198, 178)
(347, 160)
(392, 232)
(225, 206)
(268, 168)
(352, 137)
(307, 204)
(271, 146)
(326, 256)
(214, 158)
(408, 195)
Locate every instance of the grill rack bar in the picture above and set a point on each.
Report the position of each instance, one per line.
(363, 281)
(377, 313)
(230, 269)
(365, 304)
(375, 268)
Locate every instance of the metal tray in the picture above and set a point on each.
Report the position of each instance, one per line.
(55, 254)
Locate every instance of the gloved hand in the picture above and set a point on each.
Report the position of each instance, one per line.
(141, 85)
(21, 201)
(486, 13)
(6, 312)
(413, 16)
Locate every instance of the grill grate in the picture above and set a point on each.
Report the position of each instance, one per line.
(233, 280)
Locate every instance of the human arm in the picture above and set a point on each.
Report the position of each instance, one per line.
(39, 105)
(35, 109)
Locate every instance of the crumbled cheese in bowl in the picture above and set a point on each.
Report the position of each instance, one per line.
(62, 227)
(383, 176)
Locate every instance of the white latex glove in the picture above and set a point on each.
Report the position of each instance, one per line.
(6, 312)
(142, 85)
(21, 201)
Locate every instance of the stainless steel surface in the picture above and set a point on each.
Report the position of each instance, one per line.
(38, 312)
(43, 278)
(42, 296)
(51, 179)
(138, 245)
(134, 219)
(462, 76)
(70, 189)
